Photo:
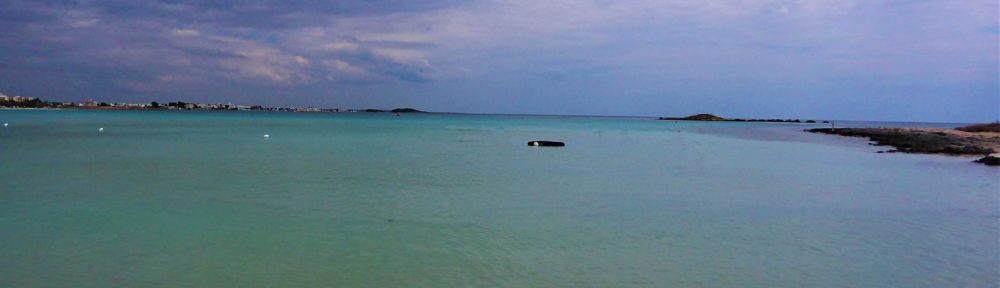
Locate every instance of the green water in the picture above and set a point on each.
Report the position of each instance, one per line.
(202, 199)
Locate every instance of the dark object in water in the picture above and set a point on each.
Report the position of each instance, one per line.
(546, 143)
(989, 161)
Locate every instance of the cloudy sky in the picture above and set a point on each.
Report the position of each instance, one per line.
(832, 59)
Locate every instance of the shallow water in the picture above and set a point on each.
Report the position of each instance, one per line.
(180, 199)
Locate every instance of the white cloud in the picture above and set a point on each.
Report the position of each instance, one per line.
(401, 56)
(405, 37)
(84, 23)
(345, 69)
(342, 46)
(186, 32)
(270, 64)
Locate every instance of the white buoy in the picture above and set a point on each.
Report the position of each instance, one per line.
(100, 129)
(267, 135)
(5, 124)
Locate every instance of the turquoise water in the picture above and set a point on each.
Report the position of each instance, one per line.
(202, 199)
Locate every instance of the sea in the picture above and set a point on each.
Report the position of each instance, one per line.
(204, 199)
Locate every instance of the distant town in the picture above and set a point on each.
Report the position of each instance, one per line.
(8, 102)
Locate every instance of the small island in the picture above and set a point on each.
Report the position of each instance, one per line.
(710, 117)
(980, 139)
(397, 110)
(406, 110)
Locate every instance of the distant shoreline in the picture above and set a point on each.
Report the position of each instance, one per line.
(651, 117)
(265, 109)
(28, 108)
(24, 102)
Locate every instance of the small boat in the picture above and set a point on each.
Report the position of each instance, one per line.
(546, 144)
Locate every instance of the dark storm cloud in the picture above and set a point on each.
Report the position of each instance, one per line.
(215, 39)
(581, 56)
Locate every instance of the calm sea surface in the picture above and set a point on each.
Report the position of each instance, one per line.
(202, 199)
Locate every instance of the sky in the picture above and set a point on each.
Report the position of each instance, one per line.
(898, 60)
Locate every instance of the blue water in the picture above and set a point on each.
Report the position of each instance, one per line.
(202, 199)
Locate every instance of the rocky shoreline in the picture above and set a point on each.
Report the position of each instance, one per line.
(928, 140)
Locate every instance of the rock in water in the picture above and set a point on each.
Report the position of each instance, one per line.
(546, 144)
(989, 161)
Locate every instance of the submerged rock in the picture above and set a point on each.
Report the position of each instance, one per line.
(989, 161)
(546, 144)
